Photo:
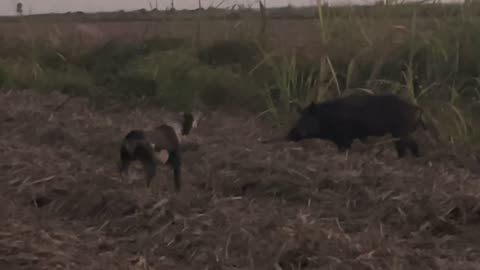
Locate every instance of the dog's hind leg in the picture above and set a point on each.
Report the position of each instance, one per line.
(176, 164)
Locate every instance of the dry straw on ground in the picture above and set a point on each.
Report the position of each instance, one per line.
(245, 205)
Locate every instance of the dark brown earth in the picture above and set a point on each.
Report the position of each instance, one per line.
(245, 205)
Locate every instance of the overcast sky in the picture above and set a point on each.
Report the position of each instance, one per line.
(7, 7)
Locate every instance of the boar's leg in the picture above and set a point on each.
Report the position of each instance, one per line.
(401, 147)
(412, 145)
(343, 143)
(404, 143)
(363, 139)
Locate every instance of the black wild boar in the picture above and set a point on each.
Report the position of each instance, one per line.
(161, 145)
(345, 119)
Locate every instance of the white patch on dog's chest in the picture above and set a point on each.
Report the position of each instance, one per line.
(162, 156)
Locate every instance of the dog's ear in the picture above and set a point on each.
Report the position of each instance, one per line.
(187, 122)
(196, 119)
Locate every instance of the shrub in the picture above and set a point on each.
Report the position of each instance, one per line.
(128, 85)
(162, 44)
(230, 52)
(182, 81)
(72, 81)
(221, 87)
(3, 77)
(108, 59)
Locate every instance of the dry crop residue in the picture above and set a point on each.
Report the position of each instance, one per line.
(244, 205)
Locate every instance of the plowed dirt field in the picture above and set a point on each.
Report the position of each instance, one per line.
(244, 205)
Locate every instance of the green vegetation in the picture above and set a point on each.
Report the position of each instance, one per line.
(167, 72)
(426, 53)
(3, 77)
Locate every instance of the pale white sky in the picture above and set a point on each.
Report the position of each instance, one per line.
(7, 7)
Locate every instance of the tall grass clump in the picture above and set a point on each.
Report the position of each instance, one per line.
(430, 61)
(291, 85)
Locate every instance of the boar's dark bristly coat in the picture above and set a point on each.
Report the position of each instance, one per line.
(147, 147)
(345, 119)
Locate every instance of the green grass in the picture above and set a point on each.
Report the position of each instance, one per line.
(440, 54)
(359, 52)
